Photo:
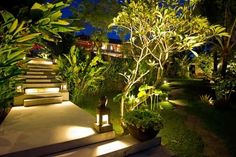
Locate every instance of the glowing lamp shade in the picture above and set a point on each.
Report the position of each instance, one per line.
(19, 89)
(103, 123)
(64, 87)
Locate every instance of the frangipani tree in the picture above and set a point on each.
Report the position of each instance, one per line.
(157, 31)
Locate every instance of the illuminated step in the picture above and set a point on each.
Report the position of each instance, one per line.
(19, 98)
(42, 95)
(40, 61)
(40, 73)
(41, 85)
(42, 101)
(41, 80)
(119, 147)
(37, 76)
(39, 66)
(41, 90)
(40, 69)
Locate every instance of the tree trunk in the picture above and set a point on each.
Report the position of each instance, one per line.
(159, 77)
(215, 69)
(225, 57)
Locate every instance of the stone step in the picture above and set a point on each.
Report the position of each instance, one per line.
(42, 101)
(40, 61)
(40, 73)
(41, 80)
(37, 76)
(43, 66)
(83, 137)
(41, 90)
(120, 147)
(42, 95)
(41, 69)
(20, 97)
(41, 85)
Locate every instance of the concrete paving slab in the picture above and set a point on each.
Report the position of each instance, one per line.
(38, 126)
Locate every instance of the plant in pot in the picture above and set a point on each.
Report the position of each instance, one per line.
(143, 124)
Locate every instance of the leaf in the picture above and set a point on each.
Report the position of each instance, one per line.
(56, 15)
(43, 21)
(20, 28)
(13, 26)
(145, 87)
(195, 53)
(27, 37)
(60, 22)
(142, 94)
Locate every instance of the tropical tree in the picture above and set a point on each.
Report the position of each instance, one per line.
(222, 12)
(82, 73)
(159, 30)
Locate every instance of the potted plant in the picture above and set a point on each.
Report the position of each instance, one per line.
(143, 124)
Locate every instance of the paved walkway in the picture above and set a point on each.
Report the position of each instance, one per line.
(30, 127)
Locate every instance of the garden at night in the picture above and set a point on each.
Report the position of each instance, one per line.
(152, 78)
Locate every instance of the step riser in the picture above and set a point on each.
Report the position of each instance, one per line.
(41, 90)
(40, 73)
(42, 62)
(40, 66)
(37, 76)
(39, 85)
(40, 70)
(19, 99)
(41, 80)
(42, 101)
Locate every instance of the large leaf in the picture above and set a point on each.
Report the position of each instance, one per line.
(27, 37)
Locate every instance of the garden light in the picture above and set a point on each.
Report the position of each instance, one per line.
(19, 89)
(64, 87)
(103, 123)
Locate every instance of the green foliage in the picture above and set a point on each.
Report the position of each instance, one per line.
(205, 62)
(207, 100)
(144, 119)
(7, 91)
(164, 31)
(147, 96)
(82, 73)
(47, 20)
(17, 37)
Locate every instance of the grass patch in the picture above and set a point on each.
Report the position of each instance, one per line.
(178, 138)
(220, 122)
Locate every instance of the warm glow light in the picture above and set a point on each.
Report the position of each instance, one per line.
(167, 98)
(165, 82)
(75, 132)
(41, 90)
(19, 89)
(104, 119)
(64, 87)
(110, 147)
(41, 62)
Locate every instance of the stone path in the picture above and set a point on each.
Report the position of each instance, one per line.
(213, 145)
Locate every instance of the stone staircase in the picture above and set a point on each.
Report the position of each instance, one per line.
(40, 85)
